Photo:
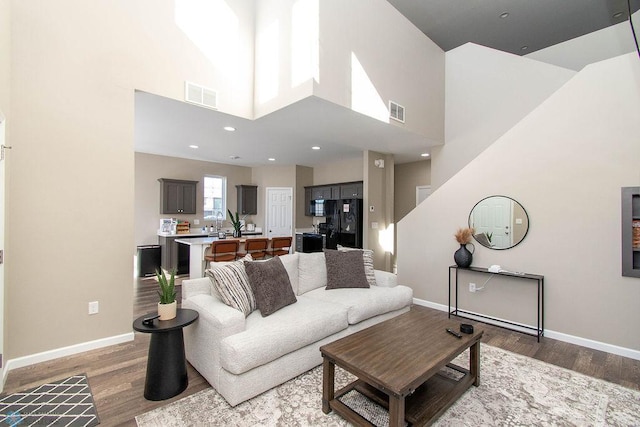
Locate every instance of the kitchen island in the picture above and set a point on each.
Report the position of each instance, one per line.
(197, 250)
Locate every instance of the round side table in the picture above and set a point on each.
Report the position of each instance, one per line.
(166, 364)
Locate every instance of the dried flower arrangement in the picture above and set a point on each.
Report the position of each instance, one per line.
(463, 235)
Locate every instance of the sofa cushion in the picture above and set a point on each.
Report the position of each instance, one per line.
(367, 259)
(290, 262)
(270, 285)
(289, 329)
(363, 304)
(232, 285)
(345, 269)
(312, 273)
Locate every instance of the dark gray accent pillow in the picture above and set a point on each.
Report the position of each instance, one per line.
(345, 269)
(270, 284)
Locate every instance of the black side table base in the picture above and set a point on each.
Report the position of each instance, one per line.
(166, 366)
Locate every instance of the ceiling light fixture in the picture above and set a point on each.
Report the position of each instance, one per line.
(315, 147)
(525, 47)
(271, 159)
(618, 15)
(193, 146)
(424, 154)
(229, 128)
(234, 157)
(504, 15)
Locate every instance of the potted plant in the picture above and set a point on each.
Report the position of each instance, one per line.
(237, 225)
(463, 256)
(167, 306)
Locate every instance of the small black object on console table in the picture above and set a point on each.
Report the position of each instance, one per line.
(537, 331)
(166, 364)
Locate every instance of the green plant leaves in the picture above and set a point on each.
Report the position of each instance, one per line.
(167, 290)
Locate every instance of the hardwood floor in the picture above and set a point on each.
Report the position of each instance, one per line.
(116, 373)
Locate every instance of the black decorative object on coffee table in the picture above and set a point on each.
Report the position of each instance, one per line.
(166, 364)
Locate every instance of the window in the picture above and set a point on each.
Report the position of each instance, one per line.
(215, 197)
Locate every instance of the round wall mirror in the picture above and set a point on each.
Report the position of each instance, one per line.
(499, 222)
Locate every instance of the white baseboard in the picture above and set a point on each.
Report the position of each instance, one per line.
(32, 359)
(572, 339)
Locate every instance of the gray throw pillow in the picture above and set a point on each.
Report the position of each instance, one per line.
(345, 269)
(367, 258)
(270, 285)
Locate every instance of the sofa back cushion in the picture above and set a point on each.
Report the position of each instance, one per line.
(290, 262)
(312, 272)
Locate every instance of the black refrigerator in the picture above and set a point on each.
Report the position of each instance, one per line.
(344, 223)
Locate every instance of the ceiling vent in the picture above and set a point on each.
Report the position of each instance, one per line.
(200, 95)
(396, 111)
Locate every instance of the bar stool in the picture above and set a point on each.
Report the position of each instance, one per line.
(223, 250)
(257, 248)
(279, 246)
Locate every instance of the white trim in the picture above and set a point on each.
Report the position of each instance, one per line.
(32, 359)
(572, 339)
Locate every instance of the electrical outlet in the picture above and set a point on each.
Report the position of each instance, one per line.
(196, 222)
(94, 307)
(472, 287)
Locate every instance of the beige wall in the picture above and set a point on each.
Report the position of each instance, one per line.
(574, 239)
(72, 166)
(407, 177)
(149, 168)
(488, 92)
(346, 170)
(378, 192)
(304, 178)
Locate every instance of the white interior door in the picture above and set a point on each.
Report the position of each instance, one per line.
(493, 217)
(2, 204)
(422, 192)
(279, 212)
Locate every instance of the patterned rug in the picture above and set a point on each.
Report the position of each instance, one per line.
(68, 402)
(514, 391)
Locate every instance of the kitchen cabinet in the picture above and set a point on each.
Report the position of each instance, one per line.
(630, 231)
(247, 199)
(177, 196)
(353, 190)
(321, 193)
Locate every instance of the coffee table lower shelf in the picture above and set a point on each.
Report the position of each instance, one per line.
(422, 407)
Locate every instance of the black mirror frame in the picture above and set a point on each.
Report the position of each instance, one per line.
(515, 201)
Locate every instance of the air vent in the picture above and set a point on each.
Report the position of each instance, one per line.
(396, 111)
(200, 95)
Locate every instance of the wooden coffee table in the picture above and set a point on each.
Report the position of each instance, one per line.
(398, 365)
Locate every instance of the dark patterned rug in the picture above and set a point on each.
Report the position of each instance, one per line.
(68, 402)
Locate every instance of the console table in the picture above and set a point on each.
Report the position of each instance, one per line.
(536, 331)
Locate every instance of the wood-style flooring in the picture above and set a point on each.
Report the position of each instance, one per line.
(116, 373)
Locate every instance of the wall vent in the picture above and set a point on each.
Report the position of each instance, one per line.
(396, 111)
(200, 95)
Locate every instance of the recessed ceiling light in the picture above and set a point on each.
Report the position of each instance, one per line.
(425, 154)
(315, 147)
(271, 159)
(504, 15)
(618, 14)
(229, 128)
(193, 146)
(525, 47)
(234, 157)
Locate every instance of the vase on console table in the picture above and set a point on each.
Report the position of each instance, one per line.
(463, 256)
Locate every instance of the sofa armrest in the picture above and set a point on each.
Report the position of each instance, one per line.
(385, 279)
(193, 287)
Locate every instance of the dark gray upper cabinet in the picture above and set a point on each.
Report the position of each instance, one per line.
(352, 190)
(177, 196)
(247, 199)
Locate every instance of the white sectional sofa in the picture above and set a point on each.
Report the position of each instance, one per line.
(242, 357)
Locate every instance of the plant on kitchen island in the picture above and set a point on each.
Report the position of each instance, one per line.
(237, 225)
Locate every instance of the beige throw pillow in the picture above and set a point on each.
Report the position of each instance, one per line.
(232, 285)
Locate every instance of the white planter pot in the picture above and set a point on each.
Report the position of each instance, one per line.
(167, 311)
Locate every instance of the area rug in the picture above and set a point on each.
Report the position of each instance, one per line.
(68, 402)
(514, 390)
